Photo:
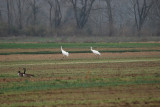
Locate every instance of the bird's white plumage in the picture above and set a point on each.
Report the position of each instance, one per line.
(65, 53)
(95, 52)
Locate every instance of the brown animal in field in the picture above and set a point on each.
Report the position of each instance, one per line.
(20, 74)
(27, 75)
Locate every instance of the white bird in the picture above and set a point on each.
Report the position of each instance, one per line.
(65, 53)
(95, 52)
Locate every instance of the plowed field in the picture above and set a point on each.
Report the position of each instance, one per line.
(114, 79)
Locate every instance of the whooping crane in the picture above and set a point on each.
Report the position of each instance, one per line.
(65, 53)
(95, 52)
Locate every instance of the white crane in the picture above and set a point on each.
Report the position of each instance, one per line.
(65, 53)
(95, 52)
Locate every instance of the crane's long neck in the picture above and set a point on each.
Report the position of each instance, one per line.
(91, 48)
(61, 48)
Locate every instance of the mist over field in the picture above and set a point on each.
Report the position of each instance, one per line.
(80, 20)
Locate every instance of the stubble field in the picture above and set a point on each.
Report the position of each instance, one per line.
(125, 75)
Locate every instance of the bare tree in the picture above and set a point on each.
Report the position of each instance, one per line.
(34, 10)
(50, 2)
(141, 10)
(110, 16)
(9, 15)
(0, 16)
(156, 10)
(58, 15)
(54, 8)
(20, 8)
(154, 18)
(82, 11)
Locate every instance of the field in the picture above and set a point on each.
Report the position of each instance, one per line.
(127, 74)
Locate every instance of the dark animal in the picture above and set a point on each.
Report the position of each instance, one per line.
(20, 74)
(27, 75)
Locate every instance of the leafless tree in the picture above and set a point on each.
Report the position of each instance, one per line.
(20, 11)
(157, 10)
(103, 17)
(34, 10)
(50, 2)
(0, 16)
(54, 8)
(141, 9)
(110, 16)
(58, 15)
(82, 10)
(9, 15)
(154, 18)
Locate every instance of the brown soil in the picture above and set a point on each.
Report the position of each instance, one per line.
(20, 57)
(120, 96)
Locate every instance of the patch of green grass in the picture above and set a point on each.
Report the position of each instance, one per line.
(7, 76)
(79, 83)
(118, 59)
(75, 61)
(75, 45)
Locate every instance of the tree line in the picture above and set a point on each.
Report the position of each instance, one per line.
(79, 17)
